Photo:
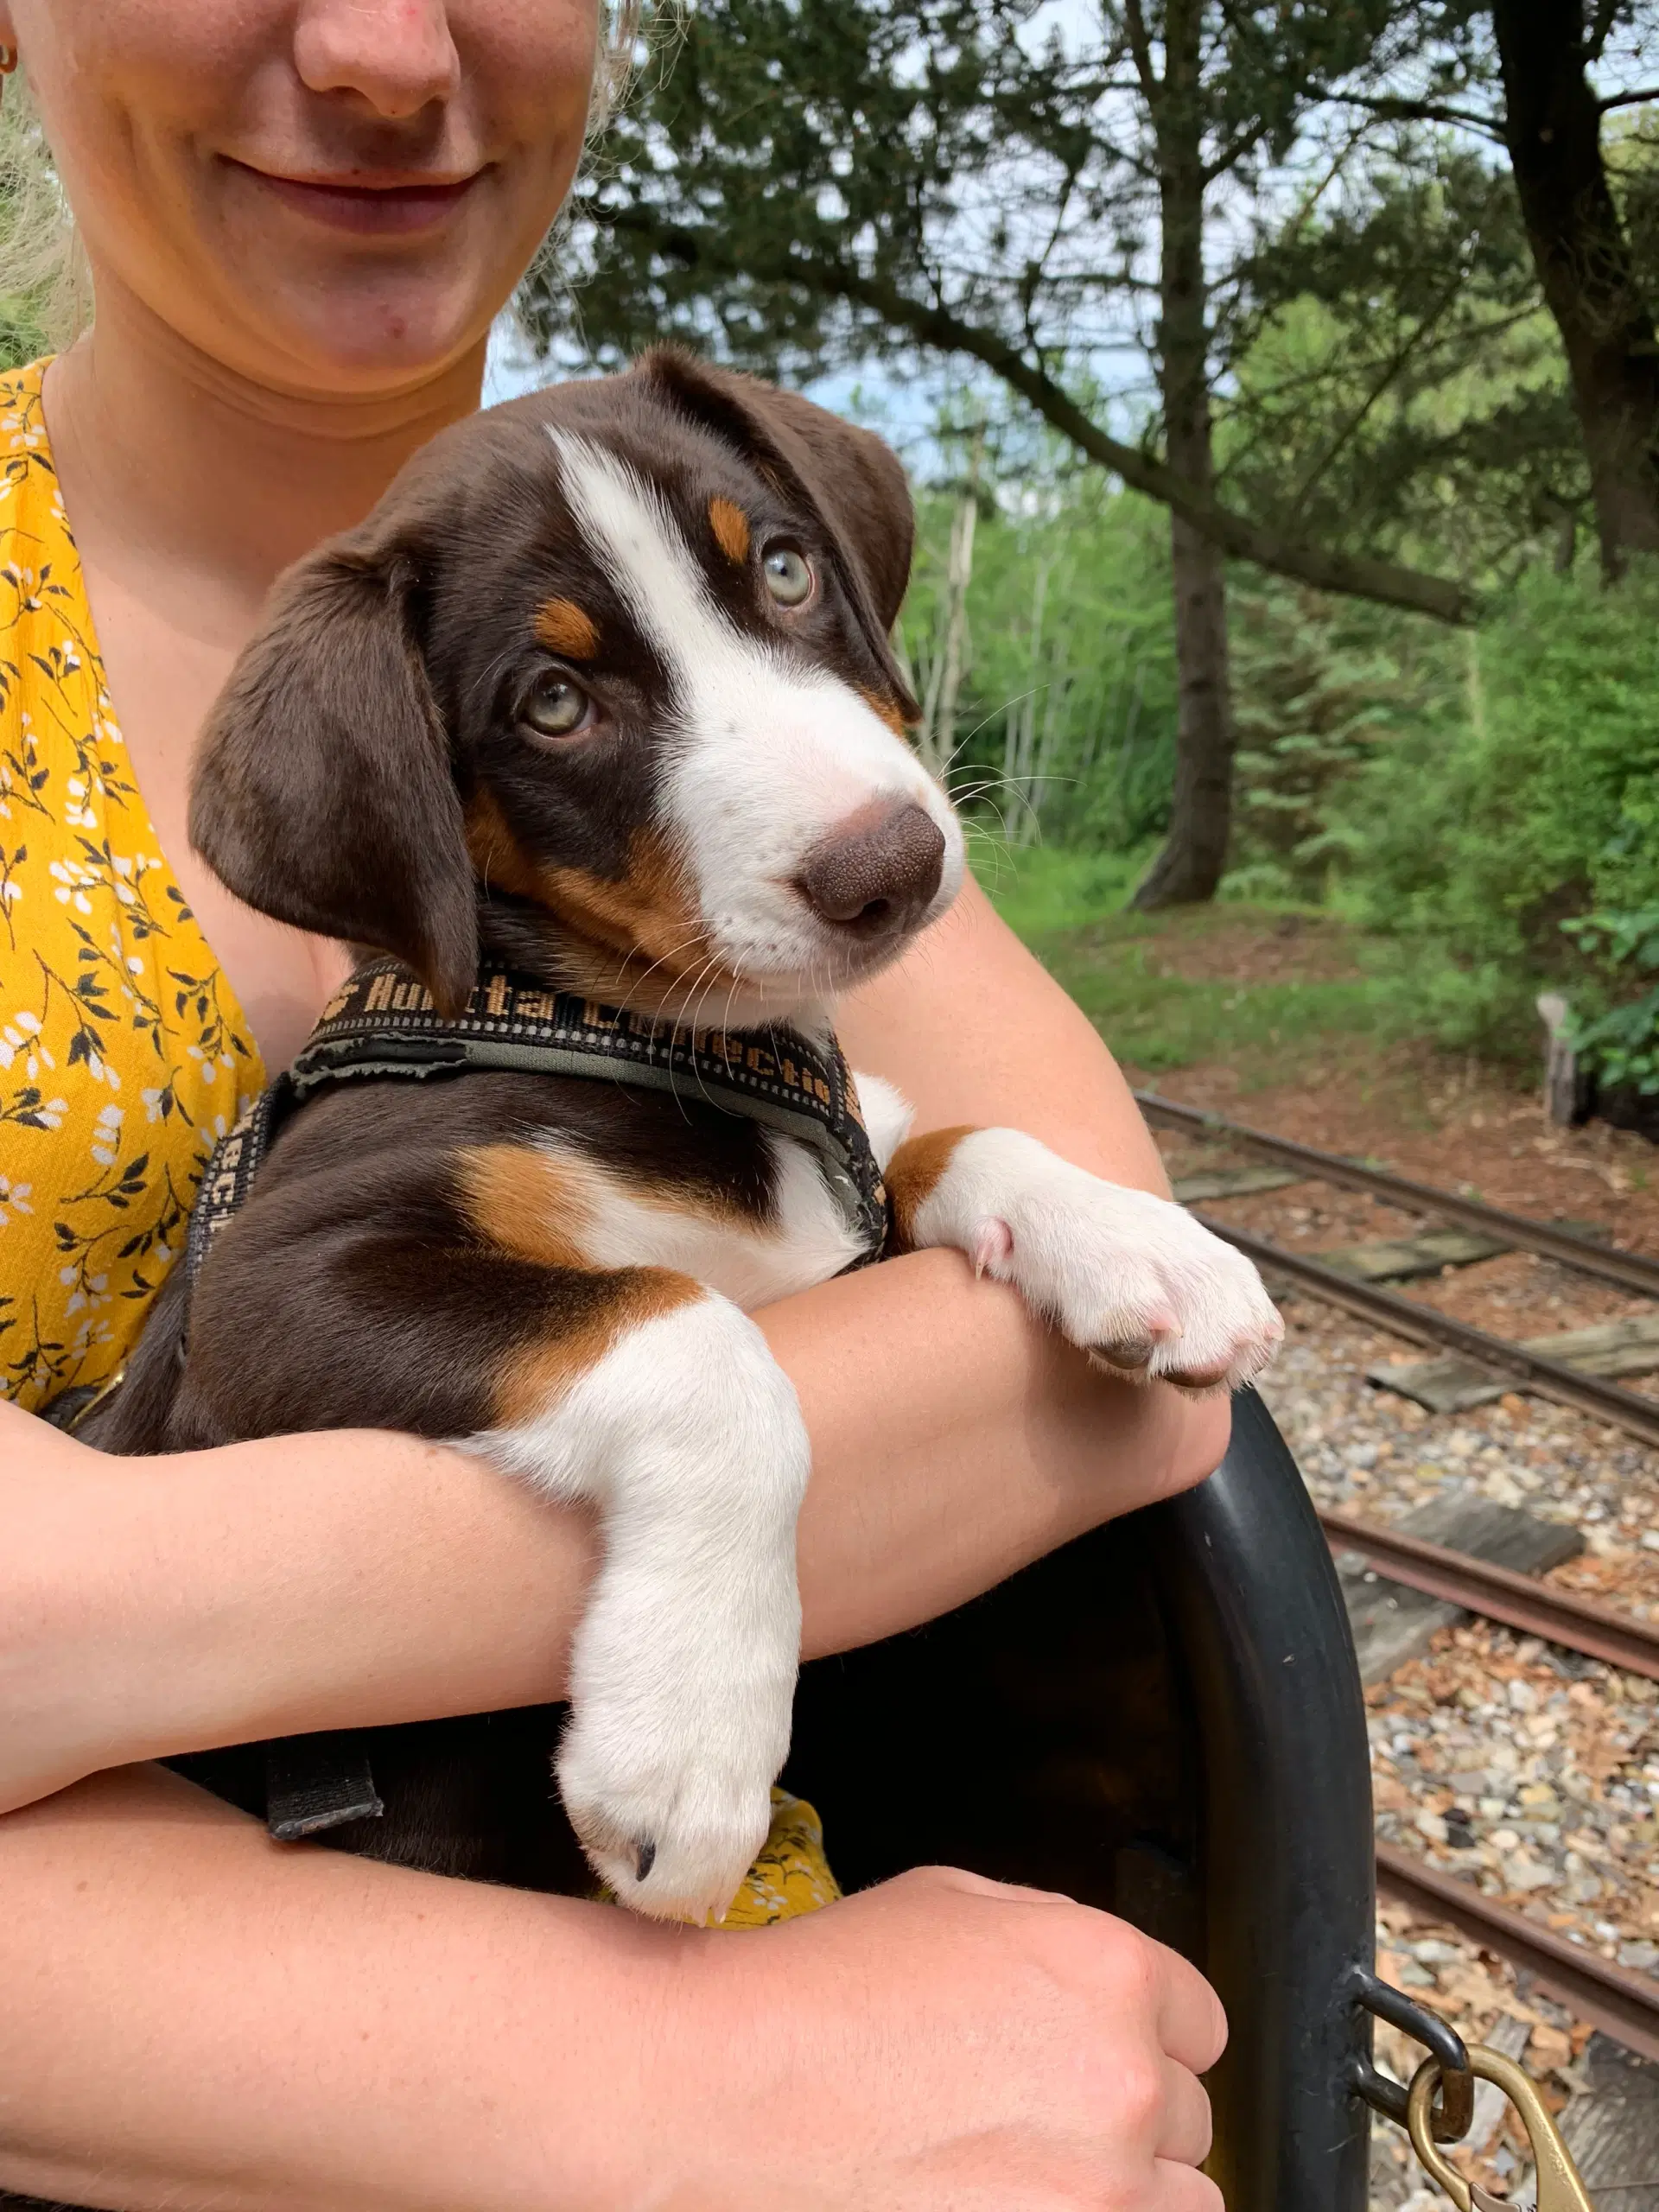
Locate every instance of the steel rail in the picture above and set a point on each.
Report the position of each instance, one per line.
(1499, 1594)
(1622, 2004)
(1630, 1270)
(1427, 1325)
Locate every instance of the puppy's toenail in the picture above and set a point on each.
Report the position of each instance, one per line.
(1130, 1352)
(644, 1858)
(1203, 1378)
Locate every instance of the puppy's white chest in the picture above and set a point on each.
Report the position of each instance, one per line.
(805, 1239)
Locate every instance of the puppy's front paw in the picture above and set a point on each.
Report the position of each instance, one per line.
(1130, 1278)
(671, 1830)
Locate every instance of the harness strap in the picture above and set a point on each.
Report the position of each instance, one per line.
(381, 1023)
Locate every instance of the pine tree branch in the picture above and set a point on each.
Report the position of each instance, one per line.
(1355, 576)
(934, 323)
(1629, 99)
(1388, 109)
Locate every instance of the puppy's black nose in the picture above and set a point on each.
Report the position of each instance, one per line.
(876, 873)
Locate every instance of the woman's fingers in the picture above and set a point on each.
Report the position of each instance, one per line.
(1183, 2189)
(1186, 2131)
(1191, 2023)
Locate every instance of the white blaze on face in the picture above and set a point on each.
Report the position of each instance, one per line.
(772, 755)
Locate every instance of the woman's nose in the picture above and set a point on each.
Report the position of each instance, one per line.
(397, 55)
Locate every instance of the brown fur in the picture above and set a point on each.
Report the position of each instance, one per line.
(644, 913)
(888, 711)
(913, 1175)
(524, 1203)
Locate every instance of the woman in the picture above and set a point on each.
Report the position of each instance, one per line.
(301, 218)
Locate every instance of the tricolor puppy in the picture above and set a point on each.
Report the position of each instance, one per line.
(603, 689)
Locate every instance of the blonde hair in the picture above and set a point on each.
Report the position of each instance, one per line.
(46, 282)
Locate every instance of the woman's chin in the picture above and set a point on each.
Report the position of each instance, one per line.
(363, 340)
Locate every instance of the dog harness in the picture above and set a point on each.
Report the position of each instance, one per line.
(381, 1023)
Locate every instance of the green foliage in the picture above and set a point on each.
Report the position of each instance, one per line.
(1522, 799)
(1042, 890)
(1397, 381)
(21, 338)
(1620, 1045)
(1071, 646)
(1320, 686)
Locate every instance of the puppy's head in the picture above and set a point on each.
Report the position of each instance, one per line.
(605, 674)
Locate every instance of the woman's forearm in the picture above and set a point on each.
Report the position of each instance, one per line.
(347, 1579)
(195, 2014)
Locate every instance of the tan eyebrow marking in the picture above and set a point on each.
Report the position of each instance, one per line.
(564, 629)
(731, 528)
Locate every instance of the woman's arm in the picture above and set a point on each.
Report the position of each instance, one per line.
(972, 1028)
(194, 2015)
(155, 1605)
(325, 1581)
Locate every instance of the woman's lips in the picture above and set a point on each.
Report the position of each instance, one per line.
(394, 208)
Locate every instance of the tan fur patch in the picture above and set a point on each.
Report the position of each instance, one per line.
(887, 712)
(537, 1206)
(913, 1175)
(526, 1204)
(495, 852)
(540, 1374)
(563, 627)
(638, 932)
(647, 911)
(731, 528)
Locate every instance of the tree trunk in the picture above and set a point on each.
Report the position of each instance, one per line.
(1190, 867)
(937, 736)
(1553, 128)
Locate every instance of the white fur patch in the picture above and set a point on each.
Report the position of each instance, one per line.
(887, 1115)
(1109, 1266)
(688, 1438)
(806, 1242)
(772, 752)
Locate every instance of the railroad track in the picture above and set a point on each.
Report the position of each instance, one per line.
(1406, 1317)
(1625, 2004)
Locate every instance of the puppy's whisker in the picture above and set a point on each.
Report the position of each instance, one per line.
(662, 959)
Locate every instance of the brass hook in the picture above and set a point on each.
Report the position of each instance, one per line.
(1560, 2188)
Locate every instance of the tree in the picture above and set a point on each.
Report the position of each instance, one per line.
(805, 186)
(1518, 73)
(1395, 371)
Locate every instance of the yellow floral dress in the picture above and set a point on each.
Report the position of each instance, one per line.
(124, 1054)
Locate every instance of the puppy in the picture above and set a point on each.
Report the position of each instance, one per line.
(603, 691)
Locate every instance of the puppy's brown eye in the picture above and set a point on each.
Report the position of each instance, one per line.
(557, 707)
(788, 574)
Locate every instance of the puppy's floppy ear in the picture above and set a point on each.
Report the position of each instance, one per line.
(322, 791)
(855, 481)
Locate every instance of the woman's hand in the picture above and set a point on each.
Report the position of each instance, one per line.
(942, 2043)
(195, 2014)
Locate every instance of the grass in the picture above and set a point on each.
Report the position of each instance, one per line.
(1125, 969)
